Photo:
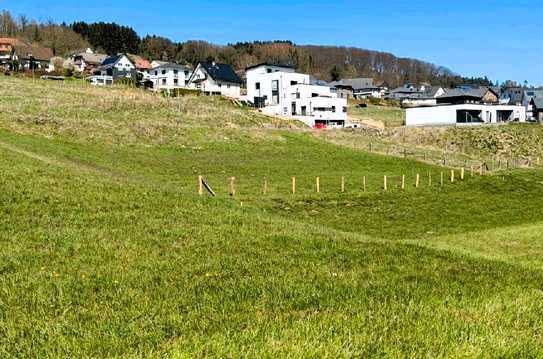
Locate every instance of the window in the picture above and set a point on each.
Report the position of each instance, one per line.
(297, 95)
(163, 72)
(156, 73)
(275, 92)
(293, 83)
(344, 109)
(220, 85)
(186, 73)
(325, 109)
(269, 71)
(314, 95)
(257, 86)
(175, 81)
(175, 72)
(164, 81)
(228, 86)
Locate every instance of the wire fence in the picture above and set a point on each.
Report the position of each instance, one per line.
(306, 185)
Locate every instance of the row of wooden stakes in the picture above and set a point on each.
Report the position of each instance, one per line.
(202, 184)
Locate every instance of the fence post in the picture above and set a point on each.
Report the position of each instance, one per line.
(200, 185)
(441, 179)
(385, 183)
(364, 183)
(462, 175)
(342, 184)
(403, 182)
(452, 176)
(429, 178)
(318, 184)
(232, 186)
(293, 185)
(417, 181)
(265, 190)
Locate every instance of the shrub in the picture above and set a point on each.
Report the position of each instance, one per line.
(126, 82)
(179, 92)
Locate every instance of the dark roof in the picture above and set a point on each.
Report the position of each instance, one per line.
(538, 102)
(431, 91)
(221, 72)
(269, 64)
(405, 89)
(357, 83)
(110, 60)
(476, 92)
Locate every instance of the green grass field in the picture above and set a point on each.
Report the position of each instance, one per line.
(389, 116)
(108, 251)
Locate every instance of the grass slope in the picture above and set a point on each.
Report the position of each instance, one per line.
(107, 251)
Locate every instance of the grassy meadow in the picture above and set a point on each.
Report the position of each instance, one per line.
(108, 251)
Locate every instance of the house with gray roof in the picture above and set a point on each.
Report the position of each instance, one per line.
(530, 94)
(357, 88)
(214, 78)
(412, 95)
(114, 68)
(463, 95)
(513, 95)
(537, 108)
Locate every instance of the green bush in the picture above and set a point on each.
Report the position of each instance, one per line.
(126, 82)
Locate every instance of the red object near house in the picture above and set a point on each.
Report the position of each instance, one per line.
(319, 126)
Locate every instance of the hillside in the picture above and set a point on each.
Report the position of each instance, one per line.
(108, 251)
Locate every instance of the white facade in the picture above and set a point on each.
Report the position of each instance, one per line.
(169, 76)
(100, 80)
(413, 102)
(369, 93)
(124, 64)
(202, 81)
(466, 114)
(282, 91)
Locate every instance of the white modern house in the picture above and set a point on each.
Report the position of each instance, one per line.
(280, 90)
(464, 114)
(213, 78)
(168, 76)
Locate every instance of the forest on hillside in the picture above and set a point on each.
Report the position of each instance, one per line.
(324, 62)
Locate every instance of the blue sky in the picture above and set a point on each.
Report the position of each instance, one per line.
(497, 38)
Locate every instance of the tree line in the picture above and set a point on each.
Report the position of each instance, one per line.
(324, 62)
